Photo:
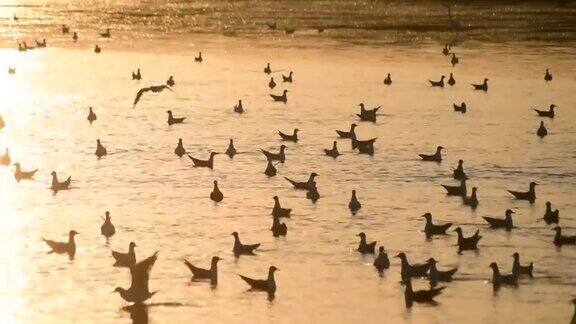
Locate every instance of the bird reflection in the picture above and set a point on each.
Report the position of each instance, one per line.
(138, 313)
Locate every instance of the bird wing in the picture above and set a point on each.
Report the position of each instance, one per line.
(197, 272)
(139, 95)
(254, 283)
(140, 273)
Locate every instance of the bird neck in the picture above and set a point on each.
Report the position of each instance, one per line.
(71, 239)
(496, 271)
(270, 276)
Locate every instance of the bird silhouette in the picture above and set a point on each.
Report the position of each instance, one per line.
(430, 229)
(106, 34)
(198, 58)
(242, 249)
(483, 86)
(216, 195)
(364, 247)
(272, 84)
(267, 69)
(542, 131)
(63, 247)
(100, 149)
(471, 201)
(170, 82)
(333, 152)
(505, 223)
(368, 114)
(173, 120)
(461, 108)
(57, 185)
(303, 185)
(280, 156)
(107, 229)
(280, 98)
(231, 150)
(238, 108)
(153, 89)
(270, 170)
(137, 75)
(560, 239)
(290, 138)
(268, 285)
(97, 49)
(139, 289)
(19, 174)
(436, 157)
(547, 76)
(459, 173)
(388, 80)
(201, 274)
(451, 80)
(350, 134)
(420, 296)
(499, 279)
(91, 115)
(435, 276)
(278, 228)
(546, 113)
(529, 195)
(467, 243)
(204, 163)
(456, 190)
(278, 211)
(179, 150)
(287, 78)
(454, 60)
(354, 205)
(518, 269)
(127, 259)
(408, 270)
(551, 216)
(381, 262)
(439, 83)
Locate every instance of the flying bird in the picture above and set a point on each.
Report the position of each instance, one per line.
(159, 88)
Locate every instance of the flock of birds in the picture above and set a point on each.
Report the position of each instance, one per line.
(139, 290)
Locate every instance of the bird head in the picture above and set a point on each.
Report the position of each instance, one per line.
(460, 162)
(235, 234)
(119, 290)
(494, 266)
(401, 255)
(552, 106)
(231, 141)
(73, 233)
(180, 141)
(427, 216)
(485, 79)
(285, 91)
(296, 130)
(282, 147)
(361, 105)
(169, 112)
(474, 189)
(548, 204)
(516, 256)
(381, 249)
(458, 230)
(509, 212)
(273, 269)
(215, 259)
(442, 77)
(107, 214)
(431, 261)
(132, 245)
(313, 174)
(353, 126)
(533, 184)
(53, 173)
(439, 148)
(275, 197)
(215, 183)
(362, 235)
(213, 153)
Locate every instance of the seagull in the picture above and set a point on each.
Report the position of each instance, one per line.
(459, 173)
(505, 223)
(333, 152)
(199, 273)
(456, 190)
(75, 37)
(125, 259)
(272, 84)
(431, 229)
(179, 150)
(420, 296)
(287, 78)
(216, 195)
(199, 58)
(268, 285)
(270, 169)
(107, 229)
(238, 108)
(303, 185)
(278, 229)
(63, 247)
(437, 83)
(159, 88)
(242, 249)
(367, 114)
(388, 80)
(529, 195)
(137, 75)
(411, 270)
(518, 269)
(41, 44)
(499, 279)
(100, 149)
(91, 115)
(551, 217)
(5, 159)
(437, 276)
(382, 262)
(483, 86)
(267, 69)
(312, 192)
(446, 50)
(454, 60)
(451, 80)
(173, 120)
(546, 113)
(436, 157)
(363, 247)
(231, 150)
(467, 243)
(364, 147)
(290, 138)
(548, 76)
(542, 131)
(560, 239)
(280, 98)
(471, 201)
(170, 82)
(140, 273)
(354, 205)
(350, 134)
(65, 29)
(461, 108)
(97, 49)
(23, 175)
(280, 156)
(106, 34)
(278, 211)
(204, 163)
(57, 185)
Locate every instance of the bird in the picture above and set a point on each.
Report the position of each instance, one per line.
(483, 86)
(238, 108)
(267, 69)
(446, 50)
(174, 120)
(461, 108)
(312, 192)
(435, 276)
(216, 195)
(303, 185)
(231, 150)
(439, 83)
(270, 170)
(280, 98)
(280, 156)
(11, 70)
(505, 223)
(278, 229)
(199, 58)
(467, 243)
(268, 285)
(63, 247)
(290, 138)
(436, 157)
(451, 80)
(153, 89)
(278, 211)
(518, 269)
(170, 82)
(430, 229)
(242, 249)
(272, 84)
(471, 201)
(22, 48)
(287, 78)
(106, 34)
(354, 205)
(5, 159)
(333, 152)
(107, 229)
(179, 150)
(542, 131)
(454, 60)
(41, 43)
(363, 146)
(499, 279)
(100, 149)
(350, 134)
(137, 75)
(23, 175)
(547, 76)
(65, 29)
(459, 173)
(456, 190)
(560, 239)
(388, 80)
(546, 113)
(91, 115)
(420, 296)
(139, 289)
(367, 114)
(75, 37)
(364, 247)
(529, 195)
(125, 259)
(97, 49)
(381, 262)
(204, 163)
(57, 185)
(550, 216)
(408, 270)
(200, 274)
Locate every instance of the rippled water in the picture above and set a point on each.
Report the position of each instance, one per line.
(161, 202)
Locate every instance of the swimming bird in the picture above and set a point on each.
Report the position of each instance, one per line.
(431, 229)
(91, 115)
(456, 190)
(272, 84)
(446, 50)
(381, 262)
(499, 279)
(467, 243)
(216, 195)
(97, 49)
(350, 134)
(280, 98)
(199, 58)
(505, 223)
(388, 80)
(290, 138)
(461, 108)
(542, 131)
(278, 229)
(483, 86)
(436, 157)
(23, 175)
(268, 285)
(11, 70)
(125, 259)
(278, 211)
(518, 269)
(548, 76)
(200, 274)
(238, 108)
(354, 205)
(63, 247)
(333, 152)
(231, 150)
(435, 276)
(174, 120)
(139, 288)
(100, 149)
(107, 229)
(312, 192)
(179, 150)
(451, 80)
(267, 69)
(420, 296)
(459, 173)
(57, 185)
(303, 185)
(106, 34)
(137, 75)
(270, 170)
(471, 201)
(280, 156)
(204, 163)
(364, 247)
(170, 82)
(41, 44)
(546, 113)
(153, 89)
(65, 29)
(5, 159)
(409, 271)
(454, 60)
(367, 114)
(75, 37)
(364, 147)
(560, 239)
(242, 249)
(22, 48)
(439, 83)
(287, 78)
(529, 195)
(550, 216)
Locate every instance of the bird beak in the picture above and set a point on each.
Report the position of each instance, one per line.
(513, 212)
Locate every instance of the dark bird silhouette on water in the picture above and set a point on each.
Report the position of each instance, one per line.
(456, 190)
(272, 84)
(107, 229)
(5, 158)
(350, 134)
(354, 205)
(451, 80)
(381, 262)
(280, 98)
(459, 173)
(333, 152)
(364, 147)
(139, 289)
(518, 269)
(431, 229)
(483, 86)
(454, 60)
(11, 70)
(106, 34)
(546, 113)
(560, 239)
(270, 170)
(313, 193)
(75, 37)
(542, 131)
(435, 276)
(100, 149)
(137, 75)
(446, 50)
(170, 82)
(97, 49)
(280, 156)
(303, 185)
(467, 243)
(290, 138)
(547, 76)
(174, 120)
(409, 271)
(179, 150)
(91, 115)
(268, 285)
(278, 228)
(205, 274)
(231, 150)
(63, 247)
(238, 108)
(19, 174)
(551, 216)
(287, 78)
(505, 223)
(242, 249)
(216, 195)
(127, 259)
(439, 83)
(267, 69)
(153, 89)
(499, 279)
(436, 157)
(388, 80)
(529, 195)
(368, 114)
(57, 185)
(41, 43)
(471, 201)
(461, 108)
(204, 163)
(420, 296)
(65, 29)
(278, 211)
(198, 58)
(364, 247)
